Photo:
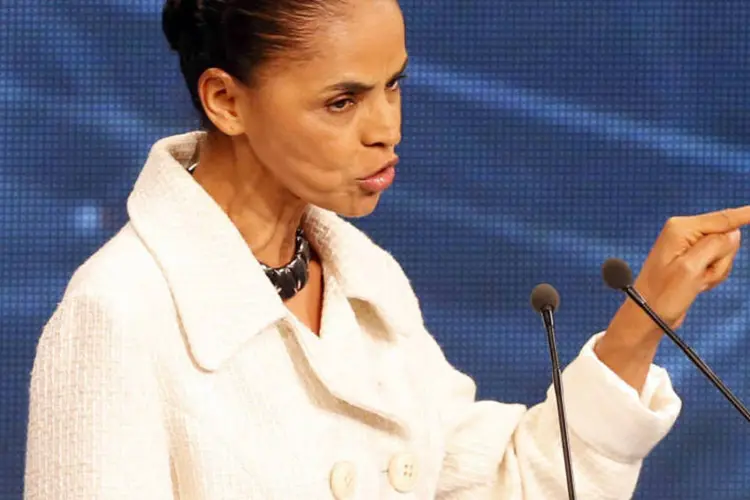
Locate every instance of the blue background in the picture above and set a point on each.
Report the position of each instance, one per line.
(540, 139)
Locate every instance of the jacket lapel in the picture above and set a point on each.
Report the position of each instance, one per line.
(220, 292)
(351, 364)
(360, 357)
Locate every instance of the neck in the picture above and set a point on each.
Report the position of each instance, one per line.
(266, 215)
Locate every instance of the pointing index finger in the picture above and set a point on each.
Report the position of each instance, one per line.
(723, 221)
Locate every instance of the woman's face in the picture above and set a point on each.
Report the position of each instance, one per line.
(326, 128)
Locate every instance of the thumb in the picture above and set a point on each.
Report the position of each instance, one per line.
(709, 250)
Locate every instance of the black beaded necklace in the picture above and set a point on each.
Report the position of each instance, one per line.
(292, 277)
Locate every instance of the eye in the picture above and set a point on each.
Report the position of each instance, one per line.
(341, 105)
(395, 84)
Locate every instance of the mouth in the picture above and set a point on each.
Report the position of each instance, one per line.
(380, 180)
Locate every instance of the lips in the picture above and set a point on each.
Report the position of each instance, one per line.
(389, 164)
(380, 180)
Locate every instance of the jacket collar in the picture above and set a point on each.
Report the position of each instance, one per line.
(221, 294)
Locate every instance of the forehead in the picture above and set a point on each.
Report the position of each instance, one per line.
(364, 41)
(364, 24)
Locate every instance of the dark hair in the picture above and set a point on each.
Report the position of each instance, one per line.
(237, 36)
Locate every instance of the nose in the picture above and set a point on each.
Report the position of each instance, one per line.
(382, 128)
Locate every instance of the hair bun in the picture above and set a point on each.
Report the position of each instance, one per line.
(179, 22)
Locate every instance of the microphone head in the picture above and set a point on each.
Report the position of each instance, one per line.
(544, 296)
(617, 274)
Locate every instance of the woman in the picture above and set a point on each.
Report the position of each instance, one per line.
(238, 339)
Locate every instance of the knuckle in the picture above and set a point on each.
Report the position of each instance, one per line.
(735, 241)
(727, 215)
(723, 240)
(714, 244)
(729, 243)
(673, 224)
(687, 267)
(719, 272)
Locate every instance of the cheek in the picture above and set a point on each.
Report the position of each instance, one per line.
(310, 160)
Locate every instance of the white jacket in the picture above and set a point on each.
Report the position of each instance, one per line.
(171, 369)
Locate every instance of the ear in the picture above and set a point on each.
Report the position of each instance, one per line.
(221, 95)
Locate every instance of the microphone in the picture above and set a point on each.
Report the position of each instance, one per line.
(617, 275)
(545, 300)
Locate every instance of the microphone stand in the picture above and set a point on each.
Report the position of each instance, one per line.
(549, 326)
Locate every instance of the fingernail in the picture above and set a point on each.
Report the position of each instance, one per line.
(735, 236)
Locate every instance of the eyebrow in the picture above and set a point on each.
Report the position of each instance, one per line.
(353, 87)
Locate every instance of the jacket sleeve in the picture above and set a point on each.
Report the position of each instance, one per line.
(95, 425)
(505, 451)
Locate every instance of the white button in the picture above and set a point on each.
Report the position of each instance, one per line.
(343, 480)
(403, 472)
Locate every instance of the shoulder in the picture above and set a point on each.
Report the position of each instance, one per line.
(122, 272)
(102, 332)
(119, 284)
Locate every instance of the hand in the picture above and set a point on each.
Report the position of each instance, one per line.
(691, 255)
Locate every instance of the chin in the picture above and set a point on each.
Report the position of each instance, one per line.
(360, 207)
